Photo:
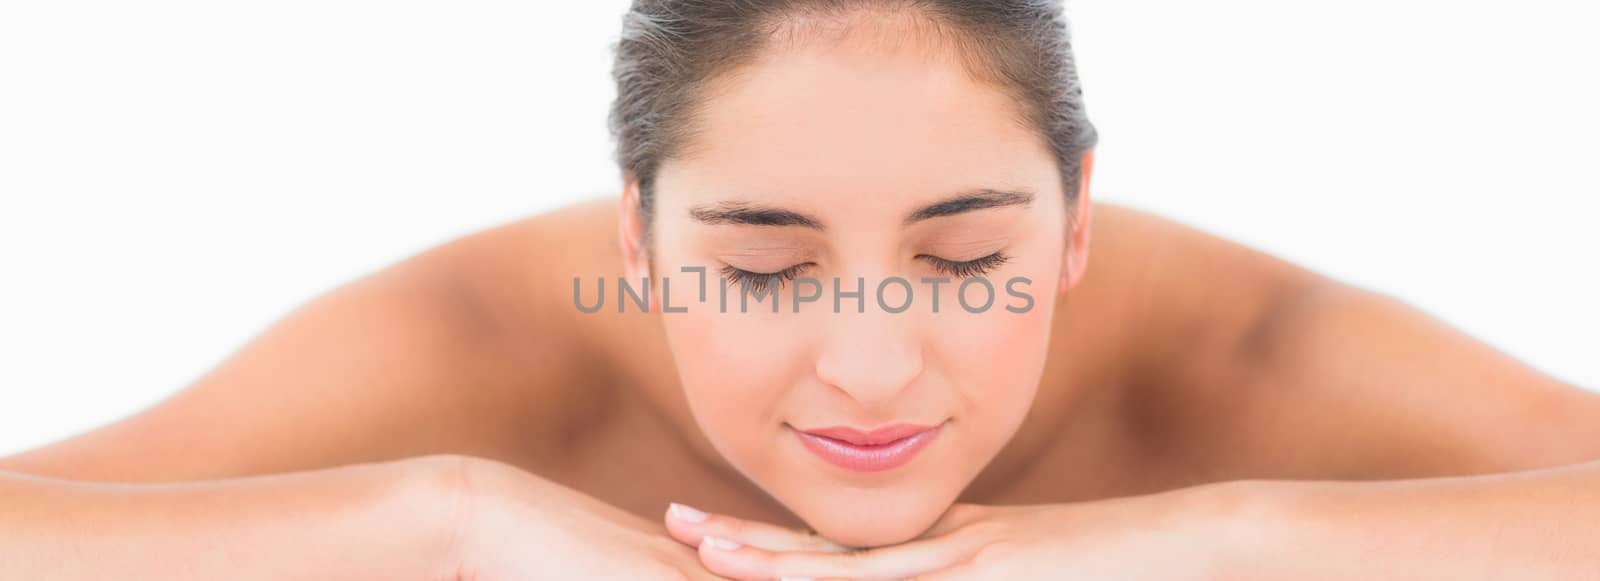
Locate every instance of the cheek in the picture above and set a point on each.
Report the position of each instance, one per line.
(994, 360)
(735, 370)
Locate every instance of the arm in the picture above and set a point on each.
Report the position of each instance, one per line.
(1386, 444)
(280, 463)
(1531, 525)
(1527, 525)
(372, 521)
(1498, 461)
(411, 361)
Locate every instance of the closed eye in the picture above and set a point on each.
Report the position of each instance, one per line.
(968, 268)
(759, 281)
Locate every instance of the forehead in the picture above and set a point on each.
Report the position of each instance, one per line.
(875, 111)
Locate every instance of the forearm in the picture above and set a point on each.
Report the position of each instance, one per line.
(356, 522)
(1527, 525)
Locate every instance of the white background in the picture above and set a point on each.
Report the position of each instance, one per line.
(176, 175)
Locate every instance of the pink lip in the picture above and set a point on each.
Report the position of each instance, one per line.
(881, 449)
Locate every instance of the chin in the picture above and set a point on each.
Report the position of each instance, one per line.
(871, 517)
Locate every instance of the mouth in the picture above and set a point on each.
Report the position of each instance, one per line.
(868, 451)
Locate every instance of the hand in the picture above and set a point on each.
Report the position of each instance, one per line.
(515, 526)
(1160, 536)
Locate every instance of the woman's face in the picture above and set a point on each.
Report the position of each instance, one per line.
(852, 158)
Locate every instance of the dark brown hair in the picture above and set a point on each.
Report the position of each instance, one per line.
(670, 49)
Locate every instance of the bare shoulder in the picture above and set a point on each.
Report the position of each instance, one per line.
(1242, 364)
(584, 375)
(465, 347)
(1167, 308)
(1171, 294)
(523, 273)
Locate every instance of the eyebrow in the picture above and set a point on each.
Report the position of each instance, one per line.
(967, 202)
(752, 214)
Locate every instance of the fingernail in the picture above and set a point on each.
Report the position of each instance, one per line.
(685, 513)
(719, 544)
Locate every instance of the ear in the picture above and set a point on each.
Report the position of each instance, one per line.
(1076, 259)
(630, 233)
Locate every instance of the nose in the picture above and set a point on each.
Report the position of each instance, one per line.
(871, 356)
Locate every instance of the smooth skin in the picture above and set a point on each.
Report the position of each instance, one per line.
(1203, 410)
(375, 396)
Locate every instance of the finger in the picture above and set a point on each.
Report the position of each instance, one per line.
(689, 526)
(732, 559)
(957, 572)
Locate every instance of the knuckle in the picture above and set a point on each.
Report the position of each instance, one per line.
(732, 526)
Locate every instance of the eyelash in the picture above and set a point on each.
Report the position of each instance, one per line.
(969, 268)
(758, 281)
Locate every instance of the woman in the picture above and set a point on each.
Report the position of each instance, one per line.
(842, 325)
